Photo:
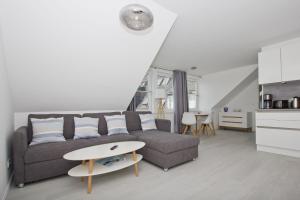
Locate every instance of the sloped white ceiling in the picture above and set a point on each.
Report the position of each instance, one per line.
(216, 35)
(75, 54)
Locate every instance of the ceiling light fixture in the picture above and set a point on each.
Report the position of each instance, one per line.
(136, 17)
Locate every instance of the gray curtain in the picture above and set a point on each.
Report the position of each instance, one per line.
(181, 102)
(132, 105)
(136, 100)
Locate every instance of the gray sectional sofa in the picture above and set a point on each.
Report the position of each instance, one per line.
(37, 162)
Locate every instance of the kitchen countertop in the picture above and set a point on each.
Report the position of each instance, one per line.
(278, 110)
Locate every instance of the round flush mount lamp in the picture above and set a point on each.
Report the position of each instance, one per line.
(136, 17)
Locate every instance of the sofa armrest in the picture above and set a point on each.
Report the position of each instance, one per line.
(163, 124)
(20, 145)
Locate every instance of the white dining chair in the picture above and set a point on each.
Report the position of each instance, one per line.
(188, 120)
(207, 126)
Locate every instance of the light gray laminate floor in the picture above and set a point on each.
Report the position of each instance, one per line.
(228, 168)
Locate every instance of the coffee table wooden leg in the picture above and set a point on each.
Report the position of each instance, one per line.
(134, 158)
(82, 178)
(91, 168)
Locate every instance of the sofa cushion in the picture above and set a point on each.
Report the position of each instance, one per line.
(68, 123)
(116, 124)
(47, 130)
(133, 120)
(148, 122)
(86, 127)
(102, 126)
(53, 151)
(112, 138)
(166, 142)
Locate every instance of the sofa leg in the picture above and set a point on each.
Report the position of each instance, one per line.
(21, 185)
(166, 169)
(194, 159)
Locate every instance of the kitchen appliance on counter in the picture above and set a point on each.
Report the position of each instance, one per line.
(268, 103)
(281, 104)
(295, 103)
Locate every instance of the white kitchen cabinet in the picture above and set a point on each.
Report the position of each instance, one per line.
(278, 138)
(242, 120)
(278, 132)
(290, 58)
(269, 66)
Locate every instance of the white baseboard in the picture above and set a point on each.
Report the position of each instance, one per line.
(4, 195)
(282, 151)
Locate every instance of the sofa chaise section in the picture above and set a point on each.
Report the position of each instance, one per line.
(163, 148)
(167, 150)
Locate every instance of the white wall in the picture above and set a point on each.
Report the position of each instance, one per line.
(6, 124)
(236, 88)
(76, 55)
(214, 87)
(247, 100)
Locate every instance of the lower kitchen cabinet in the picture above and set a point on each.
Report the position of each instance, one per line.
(278, 132)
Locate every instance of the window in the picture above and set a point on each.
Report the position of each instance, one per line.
(162, 79)
(143, 96)
(166, 82)
(192, 94)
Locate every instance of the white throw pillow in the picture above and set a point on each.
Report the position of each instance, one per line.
(86, 127)
(148, 122)
(116, 124)
(47, 130)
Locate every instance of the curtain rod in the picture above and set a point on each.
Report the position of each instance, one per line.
(199, 76)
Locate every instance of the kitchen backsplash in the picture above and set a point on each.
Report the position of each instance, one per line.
(283, 91)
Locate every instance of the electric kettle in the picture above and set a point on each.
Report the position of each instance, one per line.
(296, 102)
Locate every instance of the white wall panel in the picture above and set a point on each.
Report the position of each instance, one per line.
(6, 125)
(216, 86)
(76, 55)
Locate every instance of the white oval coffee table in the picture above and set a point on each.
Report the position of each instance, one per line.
(88, 155)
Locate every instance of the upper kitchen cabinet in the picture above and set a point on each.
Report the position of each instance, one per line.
(290, 59)
(279, 62)
(269, 66)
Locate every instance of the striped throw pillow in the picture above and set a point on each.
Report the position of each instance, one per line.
(116, 124)
(148, 122)
(47, 130)
(86, 127)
